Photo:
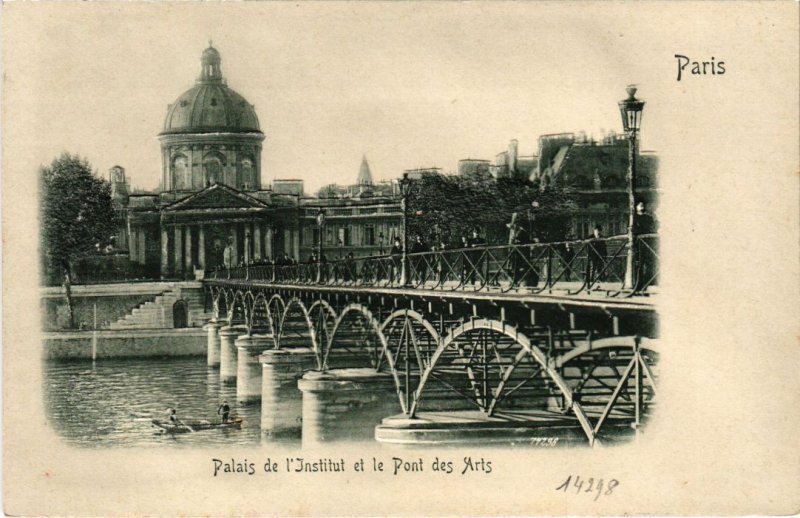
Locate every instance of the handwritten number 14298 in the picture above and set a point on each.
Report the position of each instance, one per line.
(579, 485)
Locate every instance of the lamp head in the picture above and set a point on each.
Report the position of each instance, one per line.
(630, 110)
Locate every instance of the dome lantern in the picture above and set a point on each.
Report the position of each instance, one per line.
(210, 64)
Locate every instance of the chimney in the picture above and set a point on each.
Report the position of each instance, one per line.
(512, 156)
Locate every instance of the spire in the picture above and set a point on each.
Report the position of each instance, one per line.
(364, 174)
(210, 64)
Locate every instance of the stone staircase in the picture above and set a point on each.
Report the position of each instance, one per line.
(153, 314)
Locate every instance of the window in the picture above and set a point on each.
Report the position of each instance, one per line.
(369, 235)
(345, 237)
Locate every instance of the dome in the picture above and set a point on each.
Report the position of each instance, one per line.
(211, 106)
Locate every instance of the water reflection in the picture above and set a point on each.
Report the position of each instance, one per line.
(113, 402)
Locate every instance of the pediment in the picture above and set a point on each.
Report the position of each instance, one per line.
(217, 196)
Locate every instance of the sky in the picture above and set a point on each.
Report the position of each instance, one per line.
(408, 85)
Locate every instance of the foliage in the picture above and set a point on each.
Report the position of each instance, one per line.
(445, 208)
(77, 216)
(329, 191)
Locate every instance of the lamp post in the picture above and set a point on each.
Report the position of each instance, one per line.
(320, 227)
(631, 111)
(405, 190)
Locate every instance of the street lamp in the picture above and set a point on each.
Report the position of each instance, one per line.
(405, 190)
(631, 111)
(320, 227)
(532, 219)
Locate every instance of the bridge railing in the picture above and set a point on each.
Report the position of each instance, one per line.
(570, 266)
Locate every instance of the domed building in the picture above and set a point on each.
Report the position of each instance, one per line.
(211, 135)
(210, 209)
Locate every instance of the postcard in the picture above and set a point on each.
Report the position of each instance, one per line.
(411, 258)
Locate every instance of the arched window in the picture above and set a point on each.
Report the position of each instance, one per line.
(180, 173)
(247, 180)
(180, 314)
(212, 167)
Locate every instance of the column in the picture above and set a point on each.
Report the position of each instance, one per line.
(132, 242)
(164, 252)
(234, 245)
(281, 401)
(287, 242)
(248, 370)
(201, 247)
(247, 242)
(141, 247)
(268, 243)
(256, 241)
(188, 250)
(228, 354)
(178, 249)
(296, 244)
(212, 344)
(345, 403)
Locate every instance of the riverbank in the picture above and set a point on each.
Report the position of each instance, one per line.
(145, 343)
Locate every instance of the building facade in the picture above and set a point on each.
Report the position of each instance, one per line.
(210, 209)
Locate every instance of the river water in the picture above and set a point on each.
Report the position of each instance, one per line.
(113, 402)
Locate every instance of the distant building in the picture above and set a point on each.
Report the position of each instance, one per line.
(290, 187)
(471, 166)
(596, 173)
(416, 174)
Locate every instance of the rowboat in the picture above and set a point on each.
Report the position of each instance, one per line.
(188, 426)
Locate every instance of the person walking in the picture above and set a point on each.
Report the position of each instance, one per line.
(476, 257)
(420, 261)
(597, 256)
(396, 254)
(644, 248)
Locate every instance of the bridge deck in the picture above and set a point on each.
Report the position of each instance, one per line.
(600, 299)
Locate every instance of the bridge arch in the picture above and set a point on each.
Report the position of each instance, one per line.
(261, 320)
(483, 351)
(297, 329)
(237, 310)
(359, 342)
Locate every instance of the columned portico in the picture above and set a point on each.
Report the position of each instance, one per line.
(178, 249)
(188, 249)
(164, 252)
(201, 247)
(256, 241)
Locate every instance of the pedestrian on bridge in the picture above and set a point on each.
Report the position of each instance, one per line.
(597, 256)
(396, 254)
(420, 262)
(476, 257)
(644, 249)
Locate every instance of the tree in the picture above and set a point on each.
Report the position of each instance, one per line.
(77, 216)
(445, 208)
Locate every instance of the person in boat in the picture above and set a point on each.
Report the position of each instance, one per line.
(225, 411)
(173, 417)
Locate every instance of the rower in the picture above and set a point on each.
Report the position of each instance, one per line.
(224, 410)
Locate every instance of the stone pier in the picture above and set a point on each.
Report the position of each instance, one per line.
(248, 369)
(228, 353)
(346, 404)
(212, 351)
(281, 400)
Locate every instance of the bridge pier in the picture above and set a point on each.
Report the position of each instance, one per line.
(212, 350)
(345, 404)
(281, 401)
(248, 366)
(535, 428)
(228, 353)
